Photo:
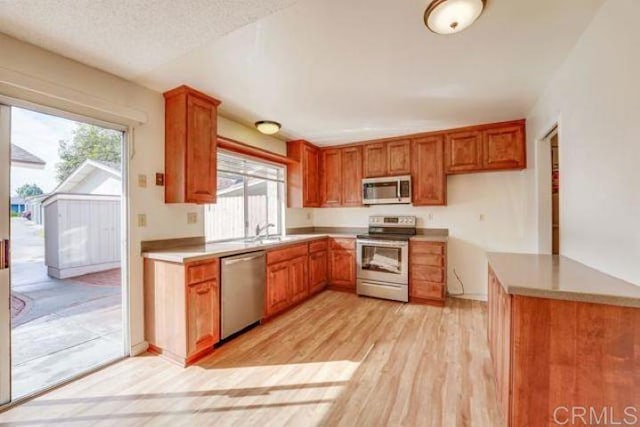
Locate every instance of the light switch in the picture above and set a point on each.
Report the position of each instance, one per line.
(142, 181)
(142, 220)
(481, 217)
(192, 218)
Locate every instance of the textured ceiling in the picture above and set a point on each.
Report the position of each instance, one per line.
(330, 71)
(128, 37)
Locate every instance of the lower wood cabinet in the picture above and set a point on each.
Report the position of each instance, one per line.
(287, 278)
(342, 263)
(182, 308)
(551, 354)
(427, 272)
(318, 265)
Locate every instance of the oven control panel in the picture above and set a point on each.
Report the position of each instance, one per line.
(392, 221)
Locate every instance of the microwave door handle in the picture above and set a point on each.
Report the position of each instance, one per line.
(398, 190)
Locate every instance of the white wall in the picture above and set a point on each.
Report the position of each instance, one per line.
(36, 75)
(504, 201)
(595, 97)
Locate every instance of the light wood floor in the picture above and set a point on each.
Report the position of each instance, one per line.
(335, 360)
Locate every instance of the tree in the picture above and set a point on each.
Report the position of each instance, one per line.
(28, 190)
(88, 142)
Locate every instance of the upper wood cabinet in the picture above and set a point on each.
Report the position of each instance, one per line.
(331, 177)
(303, 178)
(399, 157)
(463, 152)
(504, 148)
(387, 158)
(190, 146)
(499, 146)
(341, 176)
(375, 160)
(351, 184)
(429, 180)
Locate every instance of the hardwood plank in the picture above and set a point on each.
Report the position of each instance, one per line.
(337, 359)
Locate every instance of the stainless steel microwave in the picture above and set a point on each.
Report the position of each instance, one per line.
(387, 190)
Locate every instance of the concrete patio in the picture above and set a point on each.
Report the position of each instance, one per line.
(64, 327)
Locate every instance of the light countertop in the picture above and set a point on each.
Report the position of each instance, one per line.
(190, 253)
(558, 277)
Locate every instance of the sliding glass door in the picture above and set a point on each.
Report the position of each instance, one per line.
(62, 288)
(5, 290)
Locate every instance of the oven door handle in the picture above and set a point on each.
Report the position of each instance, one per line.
(380, 243)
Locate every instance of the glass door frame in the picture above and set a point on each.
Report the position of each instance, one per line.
(6, 103)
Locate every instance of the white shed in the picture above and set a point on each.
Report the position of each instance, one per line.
(82, 222)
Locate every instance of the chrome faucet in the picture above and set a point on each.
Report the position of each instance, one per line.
(259, 231)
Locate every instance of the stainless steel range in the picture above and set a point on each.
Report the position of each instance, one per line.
(383, 257)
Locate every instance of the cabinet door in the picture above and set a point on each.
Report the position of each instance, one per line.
(351, 176)
(317, 271)
(342, 268)
(311, 176)
(399, 157)
(203, 316)
(298, 279)
(429, 180)
(331, 177)
(504, 148)
(463, 152)
(277, 287)
(202, 137)
(375, 160)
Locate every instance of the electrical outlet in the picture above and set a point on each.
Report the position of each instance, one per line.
(308, 215)
(192, 217)
(481, 217)
(142, 181)
(430, 216)
(159, 179)
(142, 220)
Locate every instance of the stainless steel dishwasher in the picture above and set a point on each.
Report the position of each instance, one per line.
(243, 285)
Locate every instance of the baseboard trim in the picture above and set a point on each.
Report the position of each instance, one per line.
(138, 349)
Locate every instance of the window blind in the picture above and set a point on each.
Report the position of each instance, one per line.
(239, 165)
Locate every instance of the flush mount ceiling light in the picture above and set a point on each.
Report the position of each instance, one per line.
(268, 127)
(452, 16)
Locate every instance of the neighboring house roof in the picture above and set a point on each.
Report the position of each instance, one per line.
(83, 171)
(21, 157)
(17, 201)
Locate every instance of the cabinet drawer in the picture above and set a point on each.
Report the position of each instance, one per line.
(429, 248)
(428, 290)
(318, 245)
(427, 259)
(427, 273)
(343, 243)
(202, 271)
(290, 252)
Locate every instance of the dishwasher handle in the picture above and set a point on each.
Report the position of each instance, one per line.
(235, 260)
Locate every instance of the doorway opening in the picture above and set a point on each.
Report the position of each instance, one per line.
(66, 281)
(555, 194)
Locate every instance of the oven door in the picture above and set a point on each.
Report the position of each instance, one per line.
(383, 261)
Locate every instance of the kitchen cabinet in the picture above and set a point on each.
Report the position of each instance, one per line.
(331, 177)
(484, 148)
(504, 148)
(351, 176)
(557, 353)
(287, 278)
(303, 177)
(182, 308)
(375, 160)
(318, 265)
(399, 157)
(341, 176)
(342, 263)
(190, 146)
(428, 178)
(427, 272)
(463, 152)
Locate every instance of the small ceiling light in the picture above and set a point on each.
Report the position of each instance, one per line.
(452, 16)
(268, 127)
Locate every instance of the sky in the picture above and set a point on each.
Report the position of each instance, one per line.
(39, 134)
